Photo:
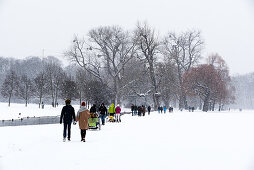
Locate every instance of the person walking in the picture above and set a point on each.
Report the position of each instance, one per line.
(140, 110)
(143, 110)
(103, 113)
(165, 109)
(42, 105)
(135, 110)
(118, 113)
(83, 120)
(67, 116)
(161, 108)
(112, 111)
(149, 109)
(132, 109)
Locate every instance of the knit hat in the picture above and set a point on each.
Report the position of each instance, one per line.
(83, 104)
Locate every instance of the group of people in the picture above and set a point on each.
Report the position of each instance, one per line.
(114, 113)
(160, 109)
(68, 116)
(164, 109)
(139, 110)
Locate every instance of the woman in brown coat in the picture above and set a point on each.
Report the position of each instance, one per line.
(83, 119)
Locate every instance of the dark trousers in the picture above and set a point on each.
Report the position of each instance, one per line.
(103, 118)
(67, 126)
(83, 133)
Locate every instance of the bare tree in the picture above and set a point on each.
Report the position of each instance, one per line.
(185, 51)
(54, 76)
(26, 90)
(80, 79)
(40, 86)
(116, 48)
(69, 89)
(10, 86)
(166, 79)
(82, 54)
(148, 45)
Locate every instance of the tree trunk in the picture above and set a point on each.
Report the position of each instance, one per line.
(213, 105)
(40, 100)
(56, 97)
(182, 100)
(155, 94)
(9, 101)
(206, 102)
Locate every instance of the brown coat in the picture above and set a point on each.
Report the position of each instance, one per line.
(83, 119)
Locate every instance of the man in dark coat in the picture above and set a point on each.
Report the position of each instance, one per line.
(132, 109)
(143, 110)
(149, 109)
(140, 110)
(67, 115)
(135, 109)
(103, 112)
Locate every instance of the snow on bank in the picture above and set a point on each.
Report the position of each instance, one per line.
(177, 141)
(32, 110)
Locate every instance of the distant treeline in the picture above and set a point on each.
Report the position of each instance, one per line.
(126, 67)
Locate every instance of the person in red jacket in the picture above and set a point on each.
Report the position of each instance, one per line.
(118, 113)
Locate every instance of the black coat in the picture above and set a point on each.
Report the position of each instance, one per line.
(149, 108)
(93, 109)
(67, 114)
(103, 110)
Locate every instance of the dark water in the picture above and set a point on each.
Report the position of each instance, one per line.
(31, 121)
(35, 120)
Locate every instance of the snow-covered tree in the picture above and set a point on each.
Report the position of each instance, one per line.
(184, 51)
(40, 86)
(54, 76)
(116, 47)
(148, 45)
(10, 86)
(25, 88)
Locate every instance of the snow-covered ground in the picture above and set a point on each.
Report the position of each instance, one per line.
(13, 112)
(32, 110)
(177, 141)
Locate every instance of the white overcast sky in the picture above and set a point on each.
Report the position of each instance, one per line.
(29, 26)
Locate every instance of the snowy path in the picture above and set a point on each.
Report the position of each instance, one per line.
(178, 141)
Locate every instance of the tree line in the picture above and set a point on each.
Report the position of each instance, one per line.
(111, 64)
(164, 69)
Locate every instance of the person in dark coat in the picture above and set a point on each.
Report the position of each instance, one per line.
(132, 109)
(149, 109)
(67, 116)
(161, 108)
(143, 110)
(140, 110)
(103, 113)
(93, 111)
(135, 109)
